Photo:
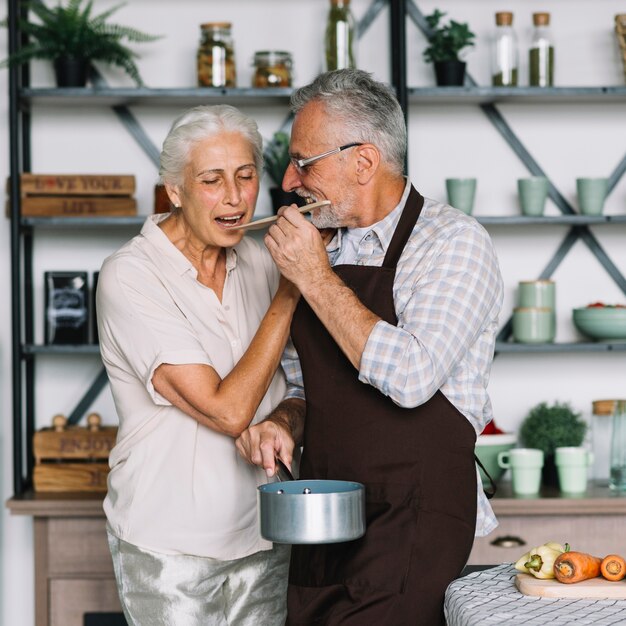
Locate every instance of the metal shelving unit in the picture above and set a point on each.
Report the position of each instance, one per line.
(23, 100)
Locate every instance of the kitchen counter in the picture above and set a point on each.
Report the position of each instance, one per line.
(73, 568)
(591, 522)
(598, 499)
(490, 597)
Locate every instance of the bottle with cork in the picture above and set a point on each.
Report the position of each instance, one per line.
(505, 60)
(541, 54)
(340, 36)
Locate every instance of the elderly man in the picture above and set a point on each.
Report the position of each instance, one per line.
(392, 347)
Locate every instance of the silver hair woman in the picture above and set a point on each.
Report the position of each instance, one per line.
(200, 123)
(193, 318)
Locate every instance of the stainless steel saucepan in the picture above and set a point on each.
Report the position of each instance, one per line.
(311, 511)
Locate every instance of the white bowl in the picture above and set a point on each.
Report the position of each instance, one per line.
(487, 449)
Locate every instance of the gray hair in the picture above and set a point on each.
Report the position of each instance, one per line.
(200, 123)
(368, 108)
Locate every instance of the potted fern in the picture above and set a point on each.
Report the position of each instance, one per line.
(445, 44)
(276, 161)
(72, 38)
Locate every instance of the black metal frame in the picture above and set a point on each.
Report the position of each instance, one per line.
(24, 350)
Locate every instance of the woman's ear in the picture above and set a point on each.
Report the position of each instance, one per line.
(173, 194)
(368, 160)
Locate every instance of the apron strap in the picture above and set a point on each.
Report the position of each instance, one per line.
(490, 494)
(403, 231)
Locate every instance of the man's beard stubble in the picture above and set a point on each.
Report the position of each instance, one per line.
(333, 216)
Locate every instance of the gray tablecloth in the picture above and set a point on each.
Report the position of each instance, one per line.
(490, 597)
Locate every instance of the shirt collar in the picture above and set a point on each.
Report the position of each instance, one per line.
(179, 262)
(383, 229)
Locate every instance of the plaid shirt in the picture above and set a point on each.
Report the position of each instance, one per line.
(447, 294)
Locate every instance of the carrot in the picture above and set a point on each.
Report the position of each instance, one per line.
(613, 567)
(572, 567)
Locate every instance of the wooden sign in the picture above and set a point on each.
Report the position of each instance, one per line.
(77, 184)
(77, 206)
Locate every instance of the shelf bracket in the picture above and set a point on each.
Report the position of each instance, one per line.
(88, 398)
(129, 121)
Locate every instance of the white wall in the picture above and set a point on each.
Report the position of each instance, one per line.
(567, 140)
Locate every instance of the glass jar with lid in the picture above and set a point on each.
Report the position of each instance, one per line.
(601, 433)
(272, 69)
(617, 480)
(216, 56)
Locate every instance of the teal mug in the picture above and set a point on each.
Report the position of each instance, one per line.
(572, 465)
(591, 195)
(525, 465)
(532, 193)
(461, 193)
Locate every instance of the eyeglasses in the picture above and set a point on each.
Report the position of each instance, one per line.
(300, 164)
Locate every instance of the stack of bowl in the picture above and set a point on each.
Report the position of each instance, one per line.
(534, 319)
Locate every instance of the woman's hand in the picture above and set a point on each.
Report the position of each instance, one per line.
(262, 443)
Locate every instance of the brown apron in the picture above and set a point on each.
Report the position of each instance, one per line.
(417, 466)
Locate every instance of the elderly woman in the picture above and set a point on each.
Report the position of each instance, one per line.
(192, 321)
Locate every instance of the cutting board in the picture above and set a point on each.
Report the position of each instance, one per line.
(592, 588)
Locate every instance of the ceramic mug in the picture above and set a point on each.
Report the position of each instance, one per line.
(461, 193)
(525, 465)
(591, 195)
(533, 325)
(532, 193)
(572, 464)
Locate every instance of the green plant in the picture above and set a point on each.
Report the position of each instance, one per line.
(549, 427)
(276, 157)
(446, 40)
(71, 31)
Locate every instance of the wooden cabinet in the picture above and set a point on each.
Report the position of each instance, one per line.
(592, 523)
(73, 567)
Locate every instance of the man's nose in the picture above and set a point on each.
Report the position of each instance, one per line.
(291, 179)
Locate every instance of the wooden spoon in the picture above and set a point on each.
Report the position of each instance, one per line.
(268, 221)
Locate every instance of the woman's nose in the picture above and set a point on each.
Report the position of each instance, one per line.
(233, 194)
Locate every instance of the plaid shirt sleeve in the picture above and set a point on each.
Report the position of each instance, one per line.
(293, 372)
(452, 292)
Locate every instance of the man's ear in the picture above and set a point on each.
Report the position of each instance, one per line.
(368, 161)
(173, 194)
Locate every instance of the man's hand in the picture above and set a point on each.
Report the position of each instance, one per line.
(262, 443)
(297, 248)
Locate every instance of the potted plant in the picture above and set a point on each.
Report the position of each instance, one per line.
(276, 159)
(445, 42)
(72, 38)
(549, 427)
